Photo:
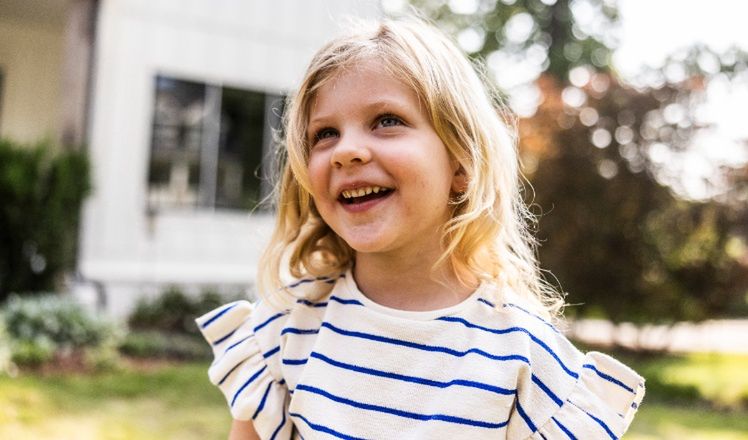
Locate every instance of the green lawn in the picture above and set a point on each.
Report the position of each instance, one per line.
(174, 402)
(177, 402)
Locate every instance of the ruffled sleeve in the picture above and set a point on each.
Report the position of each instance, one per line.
(562, 393)
(601, 405)
(243, 369)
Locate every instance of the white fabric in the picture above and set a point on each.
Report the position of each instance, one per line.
(345, 367)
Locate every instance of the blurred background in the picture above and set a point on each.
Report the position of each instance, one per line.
(136, 147)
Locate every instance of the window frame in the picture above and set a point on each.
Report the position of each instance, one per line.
(210, 145)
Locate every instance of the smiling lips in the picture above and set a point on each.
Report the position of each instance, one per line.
(363, 194)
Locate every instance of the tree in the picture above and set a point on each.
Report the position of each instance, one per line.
(617, 234)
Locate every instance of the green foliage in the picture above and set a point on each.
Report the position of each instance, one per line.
(42, 327)
(155, 344)
(41, 192)
(619, 242)
(617, 229)
(554, 31)
(173, 311)
(6, 366)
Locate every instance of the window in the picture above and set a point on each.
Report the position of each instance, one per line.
(208, 145)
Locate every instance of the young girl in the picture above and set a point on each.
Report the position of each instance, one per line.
(417, 309)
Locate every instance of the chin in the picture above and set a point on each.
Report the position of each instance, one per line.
(362, 245)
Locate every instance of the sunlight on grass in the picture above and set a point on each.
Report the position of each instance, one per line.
(665, 422)
(722, 379)
(173, 403)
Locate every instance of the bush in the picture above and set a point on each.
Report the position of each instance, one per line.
(41, 192)
(173, 311)
(156, 344)
(46, 327)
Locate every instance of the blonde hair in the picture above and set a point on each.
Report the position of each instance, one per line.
(487, 237)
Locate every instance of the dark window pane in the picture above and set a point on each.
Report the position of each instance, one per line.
(203, 155)
(174, 169)
(240, 154)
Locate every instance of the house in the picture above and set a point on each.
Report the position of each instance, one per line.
(175, 101)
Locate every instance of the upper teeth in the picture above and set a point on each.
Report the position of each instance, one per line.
(359, 192)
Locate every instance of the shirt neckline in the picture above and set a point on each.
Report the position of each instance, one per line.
(352, 290)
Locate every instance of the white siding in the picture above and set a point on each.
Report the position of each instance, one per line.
(260, 45)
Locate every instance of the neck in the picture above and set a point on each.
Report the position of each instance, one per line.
(409, 282)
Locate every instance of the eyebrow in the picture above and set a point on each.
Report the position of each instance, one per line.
(397, 104)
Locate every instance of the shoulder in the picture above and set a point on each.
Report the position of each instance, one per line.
(509, 314)
(561, 390)
(306, 299)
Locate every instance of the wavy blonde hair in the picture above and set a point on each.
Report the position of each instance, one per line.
(487, 237)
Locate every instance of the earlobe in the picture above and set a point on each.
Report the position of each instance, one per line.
(459, 181)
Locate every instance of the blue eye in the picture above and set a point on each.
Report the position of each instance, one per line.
(389, 121)
(324, 134)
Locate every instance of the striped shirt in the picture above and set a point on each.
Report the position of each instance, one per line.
(344, 367)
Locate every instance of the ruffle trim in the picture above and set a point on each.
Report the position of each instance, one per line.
(601, 405)
(240, 371)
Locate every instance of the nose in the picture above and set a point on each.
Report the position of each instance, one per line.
(350, 150)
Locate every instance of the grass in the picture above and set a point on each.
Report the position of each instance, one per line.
(657, 421)
(172, 402)
(699, 397)
(720, 379)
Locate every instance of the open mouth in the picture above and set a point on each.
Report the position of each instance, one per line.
(363, 194)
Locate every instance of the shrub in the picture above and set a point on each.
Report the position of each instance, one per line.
(173, 311)
(41, 192)
(157, 344)
(44, 327)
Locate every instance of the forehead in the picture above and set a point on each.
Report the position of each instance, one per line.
(361, 85)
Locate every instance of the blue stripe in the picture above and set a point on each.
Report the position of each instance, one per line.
(295, 361)
(487, 302)
(564, 429)
(219, 314)
(609, 378)
(525, 417)
(599, 421)
(230, 371)
(300, 331)
(325, 429)
(513, 330)
(400, 413)
(262, 401)
(547, 390)
(346, 301)
(220, 358)
(271, 352)
(533, 315)
(268, 321)
(219, 340)
(432, 348)
(413, 379)
(236, 343)
(246, 384)
(277, 430)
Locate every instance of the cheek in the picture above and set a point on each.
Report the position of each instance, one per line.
(318, 175)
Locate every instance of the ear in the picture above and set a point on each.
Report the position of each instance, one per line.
(459, 179)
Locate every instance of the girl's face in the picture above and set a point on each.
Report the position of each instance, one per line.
(381, 177)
